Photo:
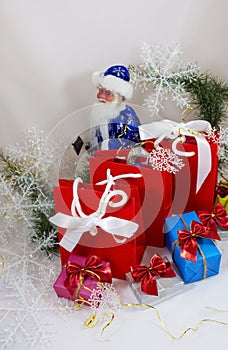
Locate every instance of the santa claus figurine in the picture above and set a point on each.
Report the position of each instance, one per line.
(114, 124)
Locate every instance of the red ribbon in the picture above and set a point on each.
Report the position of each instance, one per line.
(93, 267)
(146, 275)
(218, 216)
(188, 242)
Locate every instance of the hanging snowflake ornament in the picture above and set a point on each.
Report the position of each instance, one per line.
(163, 159)
(164, 72)
(160, 158)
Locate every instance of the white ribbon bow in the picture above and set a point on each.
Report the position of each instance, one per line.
(77, 225)
(177, 132)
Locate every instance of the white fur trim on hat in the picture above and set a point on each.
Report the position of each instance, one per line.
(113, 83)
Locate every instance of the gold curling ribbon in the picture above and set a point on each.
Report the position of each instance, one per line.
(189, 108)
(120, 140)
(92, 321)
(215, 309)
(78, 298)
(136, 144)
(3, 265)
(194, 133)
(126, 127)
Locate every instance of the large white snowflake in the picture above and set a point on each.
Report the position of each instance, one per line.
(164, 73)
(26, 299)
(27, 173)
(27, 268)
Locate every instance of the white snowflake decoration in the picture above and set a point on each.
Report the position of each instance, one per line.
(164, 160)
(104, 299)
(161, 159)
(26, 282)
(163, 70)
(221, 138)
(26, 293)
(213, 136)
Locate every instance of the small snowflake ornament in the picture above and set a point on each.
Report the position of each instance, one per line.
(105, 303)
(164, 160)
(104, 299)
(158, 159)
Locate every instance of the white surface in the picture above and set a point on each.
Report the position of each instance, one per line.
(136, 328)
(49, 49)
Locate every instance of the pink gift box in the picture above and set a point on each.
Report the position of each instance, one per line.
(89, 282)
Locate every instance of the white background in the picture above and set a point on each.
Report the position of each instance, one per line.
(49, 49)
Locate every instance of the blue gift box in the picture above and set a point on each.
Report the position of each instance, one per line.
(192, 271)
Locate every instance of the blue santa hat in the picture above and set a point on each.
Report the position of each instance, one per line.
(115, 78)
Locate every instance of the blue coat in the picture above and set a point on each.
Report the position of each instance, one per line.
(123, 130)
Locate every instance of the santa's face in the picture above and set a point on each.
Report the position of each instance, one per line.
(109, 106)
(105, 95)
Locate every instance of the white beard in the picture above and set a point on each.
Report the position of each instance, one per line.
(101, 114)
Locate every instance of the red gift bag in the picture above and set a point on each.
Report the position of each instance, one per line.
(120, 255)
(155, 190)
(186, 197)
(194, 185)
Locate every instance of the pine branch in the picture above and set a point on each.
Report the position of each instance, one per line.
(210, 97)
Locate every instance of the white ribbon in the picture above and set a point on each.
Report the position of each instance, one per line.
(77, 224)
(177, 132)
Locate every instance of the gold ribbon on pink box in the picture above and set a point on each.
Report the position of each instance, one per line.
(177, 132)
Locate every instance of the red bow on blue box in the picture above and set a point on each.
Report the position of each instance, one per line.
(188, 239)
(217, 216)
(147, 275)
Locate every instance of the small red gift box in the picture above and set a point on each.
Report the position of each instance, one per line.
(155, 190)
(120, 255)
(80, 276)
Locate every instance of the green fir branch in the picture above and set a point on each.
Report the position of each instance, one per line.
(209, 97)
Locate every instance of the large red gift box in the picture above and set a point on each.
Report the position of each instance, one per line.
(155, 190)
(120, 255)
